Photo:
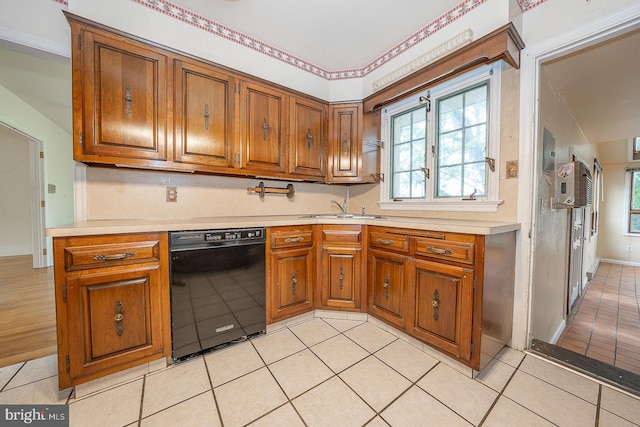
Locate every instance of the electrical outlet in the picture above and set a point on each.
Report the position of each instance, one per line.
(629, 248)
(172, 194)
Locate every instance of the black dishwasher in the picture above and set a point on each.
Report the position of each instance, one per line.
(217, 288)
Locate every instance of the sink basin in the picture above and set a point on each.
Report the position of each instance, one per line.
(344, 216)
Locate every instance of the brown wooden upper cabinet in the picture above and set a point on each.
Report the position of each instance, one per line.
(308, 137)
(205, 131)
(263, 113)
(119, 99)
(142, 105)
(352, 157)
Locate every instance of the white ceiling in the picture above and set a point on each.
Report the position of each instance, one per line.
(600, 85)
(331, 34)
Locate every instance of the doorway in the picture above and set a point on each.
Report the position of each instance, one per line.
(23, 197)
(564, 245)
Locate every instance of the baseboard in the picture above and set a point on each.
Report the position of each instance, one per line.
(16, 250)
(556, 336)
(617, 261)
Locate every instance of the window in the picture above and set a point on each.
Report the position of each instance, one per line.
(634, 201)
(443, 146)
(596, 196)
(636, 148)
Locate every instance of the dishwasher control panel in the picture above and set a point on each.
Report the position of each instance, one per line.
(182, 239)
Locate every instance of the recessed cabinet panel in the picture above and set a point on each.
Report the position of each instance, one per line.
(120, 311)
(342, 269)
(125, 99)
(346, 138)
(264, 129)
(387, 286)
(292, 279)
(204, 115)
(308, 138)
(442, 314)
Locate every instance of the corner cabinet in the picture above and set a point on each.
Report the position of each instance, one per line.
(120, 99)
(453, 291)
(340, 272)
(112, 303)
(290, 271)
(354, 145)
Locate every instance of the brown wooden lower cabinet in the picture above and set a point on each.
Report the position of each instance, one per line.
(387, 287)
(452, 291)
(441, 306)
(290, 271)
(112, 304)
(340, 270)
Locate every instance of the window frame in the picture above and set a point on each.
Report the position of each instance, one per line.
(629, 210)
(489, 202)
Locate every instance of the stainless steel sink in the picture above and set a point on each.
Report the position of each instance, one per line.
(344, 216)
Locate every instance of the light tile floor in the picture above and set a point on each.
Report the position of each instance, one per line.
(332, 372)
(604, 323)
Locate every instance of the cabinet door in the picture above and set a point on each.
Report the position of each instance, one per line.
(341, 275)
(346, 123)
(113, 318)
(124, 101)
(204, 105)
(307, 139)
(387, 286)
(290, 284)
(443, 306)
(263, 128)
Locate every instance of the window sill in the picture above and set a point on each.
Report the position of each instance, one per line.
(478, 205)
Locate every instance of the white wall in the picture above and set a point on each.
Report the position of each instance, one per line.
(58, 154)
(549, 30)
(15, 194)
(613, 241)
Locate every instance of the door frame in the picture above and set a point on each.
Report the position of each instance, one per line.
(36, 174)
(532, 59)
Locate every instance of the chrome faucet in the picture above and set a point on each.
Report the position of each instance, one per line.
(342, 207)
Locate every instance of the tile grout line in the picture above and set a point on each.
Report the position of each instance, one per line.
(215, 399)
(598, 407)
(501, 393)
(140, 411)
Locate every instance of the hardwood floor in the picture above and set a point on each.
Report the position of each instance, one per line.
(27, 311)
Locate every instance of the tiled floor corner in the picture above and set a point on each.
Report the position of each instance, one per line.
(329, 372)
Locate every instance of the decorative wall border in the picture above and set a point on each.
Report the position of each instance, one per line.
(167, 8)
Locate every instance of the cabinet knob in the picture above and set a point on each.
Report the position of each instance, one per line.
(128, 100)
(309, 139)
(119, 318)
(385, 242)
(294, 281)
(439, 251)
(386, 286)
(435, 303)
(265, 128)
(206, 116)
(341, 278)
(114, 257)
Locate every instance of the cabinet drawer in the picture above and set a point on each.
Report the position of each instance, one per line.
(291, 238)
(445, 249)
(343, 235)
(111, 254)
(396, 242)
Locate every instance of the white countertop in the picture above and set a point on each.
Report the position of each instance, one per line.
(87, 228)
